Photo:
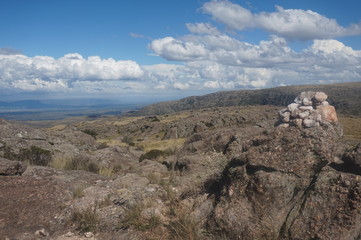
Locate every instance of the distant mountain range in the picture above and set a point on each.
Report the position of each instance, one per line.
(346, 97)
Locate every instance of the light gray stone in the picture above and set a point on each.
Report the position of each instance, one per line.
(293, 106)
(325, 103)
(304, 108)
(307, 102)
(286, 117)
(308, 123)
(284, 125)
(298, 122)
(320, 97)
(304, 114)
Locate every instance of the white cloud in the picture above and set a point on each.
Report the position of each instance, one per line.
(174, 49)
(270, 63)
(202, 28)
(181, 86)
(136, 35)
(47, 73)
(232, 15)
(301, 24)
(288, 23)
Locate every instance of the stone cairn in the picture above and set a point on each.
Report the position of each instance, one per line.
(310, 109)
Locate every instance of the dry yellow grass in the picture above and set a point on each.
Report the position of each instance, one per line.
(161, 144)
(174, 117)
(59, 162)
(57, 127)
(124, 121)
(112, 142)
(351, 127)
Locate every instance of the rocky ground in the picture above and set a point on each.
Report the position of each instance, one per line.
(216, 173)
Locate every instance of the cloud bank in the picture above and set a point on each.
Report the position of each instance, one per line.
(48, 73)
(208, 58)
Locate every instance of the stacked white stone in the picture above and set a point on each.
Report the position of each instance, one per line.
(310, 109)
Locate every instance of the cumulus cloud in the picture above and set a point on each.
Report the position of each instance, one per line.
(288, 23)
(224, 49)
(175, 49)
(303, 25)
(269, 63)
(232, 15)
(215, 60)
(202, 28)
(48, 73)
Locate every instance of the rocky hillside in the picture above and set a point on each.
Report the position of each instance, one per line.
(345, 97)
(212, 173)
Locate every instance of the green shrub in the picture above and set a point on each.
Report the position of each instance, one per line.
(91, 133)
(33, 155)
(155, 154)
(40, 156)
(128, 141)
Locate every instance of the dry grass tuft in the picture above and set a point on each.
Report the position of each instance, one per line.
(351, 127)
(162, 145)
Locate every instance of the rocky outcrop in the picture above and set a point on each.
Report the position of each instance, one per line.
(310, 109)
(8, 167)
(288, 183)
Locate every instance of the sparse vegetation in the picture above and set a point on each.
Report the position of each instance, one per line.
(135, 219)
(184, 226)
(82, 162)
(85, 220)
(78, 192)
(91, 133)
(164, 145)
(107, 171)
(105, 202)
(351, 127)
(40, 156)
(34, 156)
(152, 155)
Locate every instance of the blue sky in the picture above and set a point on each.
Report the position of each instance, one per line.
(170, 49)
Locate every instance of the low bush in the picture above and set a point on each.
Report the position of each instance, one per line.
(135, 219)
(34, 156)
(82, 162)
(152, 154)
(91, 133)
(85, 220)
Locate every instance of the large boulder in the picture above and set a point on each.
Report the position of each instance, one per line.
(286, 183)
(8, 167)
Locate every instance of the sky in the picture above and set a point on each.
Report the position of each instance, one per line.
(162, 49)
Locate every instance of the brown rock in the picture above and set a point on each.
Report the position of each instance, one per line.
(328, 113)
(8, 167)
